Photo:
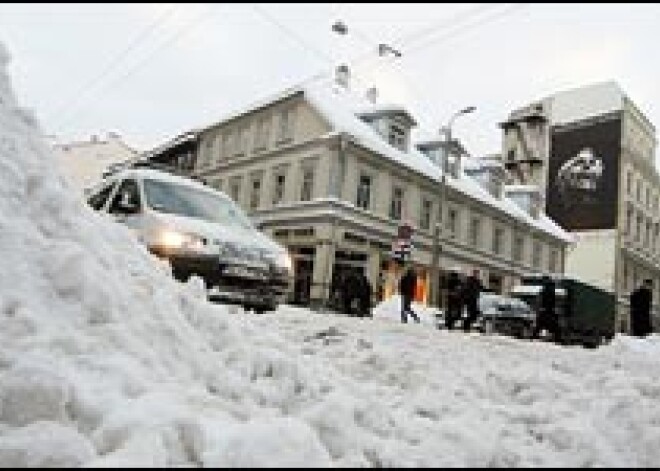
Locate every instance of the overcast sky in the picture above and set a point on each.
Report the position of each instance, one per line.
(149, 71)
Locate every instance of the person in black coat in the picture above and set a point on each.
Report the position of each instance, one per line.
(547, 315)
(407, 289)
(641, 301)
(471, 292)
(454, 300)
(365, 294)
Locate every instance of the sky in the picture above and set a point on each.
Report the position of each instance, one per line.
(151, 71)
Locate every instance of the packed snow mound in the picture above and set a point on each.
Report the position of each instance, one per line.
(125, 365)
(105, 361)
(390, 309)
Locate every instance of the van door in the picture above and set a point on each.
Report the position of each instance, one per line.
(126, 204)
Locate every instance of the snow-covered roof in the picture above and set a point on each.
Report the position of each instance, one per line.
(382, 109)
(481, 164)
(521, 189)
(339, 108)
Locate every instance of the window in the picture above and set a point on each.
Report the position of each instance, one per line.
(452, 223)
(648, 197)
(498, 237)
(228, 144)
(127, 198)
(98, 200)
(649, 235)
(307, 187)
(263, 133)
(243, 140)
(235, 189)
(208, 151)
(629, 183)
(286, 124)
(554, 261)
(187, 201)
(639, 191)
(536, 254)
(630, 216)
(518, 248)
(475, 231)
(397, 137)
(397, 203)
(511, 155)
(364, 192)
(639, 228)
(279, 184)
(255, 190)
(425, 214)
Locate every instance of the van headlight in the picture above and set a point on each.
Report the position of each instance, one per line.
(283, 260)
(178, 240)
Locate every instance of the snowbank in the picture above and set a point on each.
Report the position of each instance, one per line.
(390, 309)
(105, 361)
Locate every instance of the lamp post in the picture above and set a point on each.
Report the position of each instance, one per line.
(438, 232)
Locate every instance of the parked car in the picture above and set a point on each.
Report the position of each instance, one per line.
(505, 315)
(201, 232)
(586, 313)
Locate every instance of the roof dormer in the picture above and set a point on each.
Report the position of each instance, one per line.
(392, 122)
(528, 197)
(489, 172)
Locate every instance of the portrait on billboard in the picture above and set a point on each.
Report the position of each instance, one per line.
(580, 178)
(583, 174)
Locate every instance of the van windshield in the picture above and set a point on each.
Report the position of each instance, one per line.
(185, 201)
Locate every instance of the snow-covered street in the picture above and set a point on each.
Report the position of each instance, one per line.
(106, 361)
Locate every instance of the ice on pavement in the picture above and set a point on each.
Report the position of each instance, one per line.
(105, 361)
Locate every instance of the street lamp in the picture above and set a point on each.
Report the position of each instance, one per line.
(438, 230)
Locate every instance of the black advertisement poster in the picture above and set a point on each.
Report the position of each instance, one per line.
(583, 174)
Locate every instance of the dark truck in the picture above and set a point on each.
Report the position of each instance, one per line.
(587, 314)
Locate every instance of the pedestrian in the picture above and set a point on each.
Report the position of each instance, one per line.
(641, 301)
(454, 301)
(364, 296)
(407, 288)
(471, 292)
(547, 315)
(350, 292)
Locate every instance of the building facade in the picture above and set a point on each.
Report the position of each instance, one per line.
(84, 162)
(332, 176)
(593, 153)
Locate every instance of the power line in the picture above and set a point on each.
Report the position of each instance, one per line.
(289, 32)
(115, 61)
(179, 33)
(467, 27)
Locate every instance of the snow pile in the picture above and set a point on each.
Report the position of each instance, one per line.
(104, 359)
(390, 309)
(107, 362)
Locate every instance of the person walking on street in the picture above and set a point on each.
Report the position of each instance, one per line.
(641, 301)
(407, 289)
(365, 295)
(471, 292)
(547, 317)
(454, 301)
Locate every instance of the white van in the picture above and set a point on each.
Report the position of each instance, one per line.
(201, 232)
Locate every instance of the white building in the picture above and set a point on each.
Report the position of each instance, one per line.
(332, 175)
(84, 162)
(593, 153)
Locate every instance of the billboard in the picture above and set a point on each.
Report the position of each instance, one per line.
(583, 177)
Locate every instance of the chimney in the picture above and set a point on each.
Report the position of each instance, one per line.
(372, 95)
(343, 76)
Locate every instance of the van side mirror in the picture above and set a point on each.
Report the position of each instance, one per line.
(127, 205)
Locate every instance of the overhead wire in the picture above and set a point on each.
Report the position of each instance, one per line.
(113, 63)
